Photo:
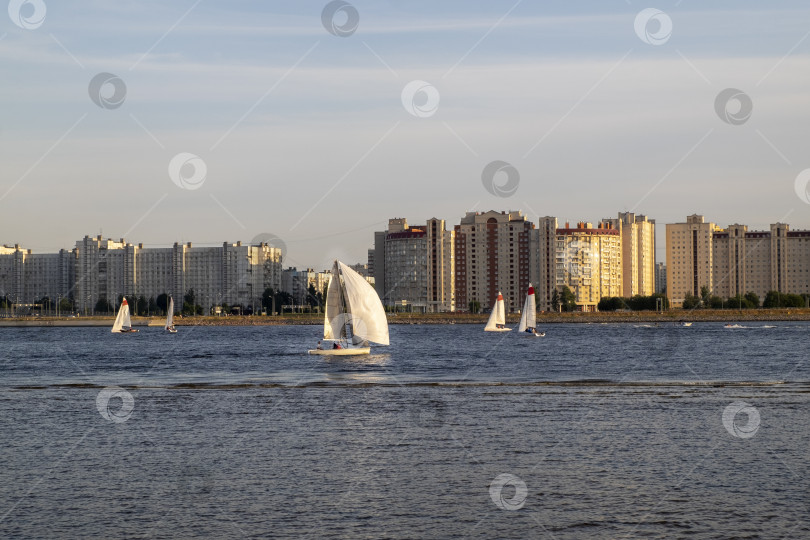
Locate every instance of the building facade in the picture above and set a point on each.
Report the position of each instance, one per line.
(638, 253)
(492, 254)
(589, 262)
(233, 274)
(660, 278)
(735, 260)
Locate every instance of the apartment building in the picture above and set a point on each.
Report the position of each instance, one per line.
(589, 262)
(735, 260)
(491, 255)
(234, 274)
(638, 253)
(27, 277)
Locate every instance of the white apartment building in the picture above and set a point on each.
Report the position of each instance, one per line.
(27, 277)
(638, 253)
(233, 274)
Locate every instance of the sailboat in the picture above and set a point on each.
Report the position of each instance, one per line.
(528, 317)
(354, 315)
(497, 320)
(123, 324)
(170, 318)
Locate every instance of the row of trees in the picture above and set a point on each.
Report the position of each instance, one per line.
(635, 303)
(750, 300)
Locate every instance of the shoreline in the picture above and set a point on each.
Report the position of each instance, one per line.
(672, 316)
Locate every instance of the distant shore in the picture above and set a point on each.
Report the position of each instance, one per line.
(671, 316)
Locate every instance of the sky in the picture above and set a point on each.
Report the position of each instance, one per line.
(315, 122)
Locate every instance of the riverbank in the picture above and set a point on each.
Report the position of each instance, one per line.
(672, 316)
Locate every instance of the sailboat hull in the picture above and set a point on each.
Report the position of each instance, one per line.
(497, 329)
(341, 352)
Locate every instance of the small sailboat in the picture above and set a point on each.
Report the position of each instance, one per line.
(170, 318)
(686, 324)
(528, 317)
(354, 315)
(497, 320)
(123, 324)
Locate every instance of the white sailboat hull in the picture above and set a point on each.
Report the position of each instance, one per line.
(341, 352)
(497, 329)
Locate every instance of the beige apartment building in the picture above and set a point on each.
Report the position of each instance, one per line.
(27, 277)
(638, 253)
(735, 260)
(589, 262)
(492, 253)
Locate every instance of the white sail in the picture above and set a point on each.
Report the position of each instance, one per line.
(528, 317)
(122, 319)
(364, 306)
(492, 321)
(501, 309)
(497, 318)
(333, 322)
(170, 314)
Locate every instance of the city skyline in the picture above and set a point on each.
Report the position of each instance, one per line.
(302, 130)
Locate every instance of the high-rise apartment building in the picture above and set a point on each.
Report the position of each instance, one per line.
(233, 274)
(589, 262)
(27, 277)
(660, 278)
(735, 260)
(491, 255)
(638, 253)
(413, 266)
(545, 262)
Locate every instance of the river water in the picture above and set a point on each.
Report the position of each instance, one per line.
(594, 431)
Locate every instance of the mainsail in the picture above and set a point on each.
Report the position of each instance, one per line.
(122, 319)
(498, 316)
(353, 308)
(333, 321)
(528, 317)
(170, 314)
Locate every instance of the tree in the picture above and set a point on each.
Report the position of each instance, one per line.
(555, 300)
(691, 302)
(66, 304)
(752, 298)
(163, 302)
(475, 306)
(102, 306)
(704, 294)
(568, 300)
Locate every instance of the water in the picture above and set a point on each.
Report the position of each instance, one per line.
(614, 430)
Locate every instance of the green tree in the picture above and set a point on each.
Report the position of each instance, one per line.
(475, 306)
(704, 294)
(555, 300)
(162, 302)
(102, 306)
(752, 298)
(691, 302)
(568, 300)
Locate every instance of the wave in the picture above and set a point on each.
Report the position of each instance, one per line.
(584, 383)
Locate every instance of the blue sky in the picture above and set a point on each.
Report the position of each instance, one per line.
(304, 134)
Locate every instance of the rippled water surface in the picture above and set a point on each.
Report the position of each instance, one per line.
(595, 431)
